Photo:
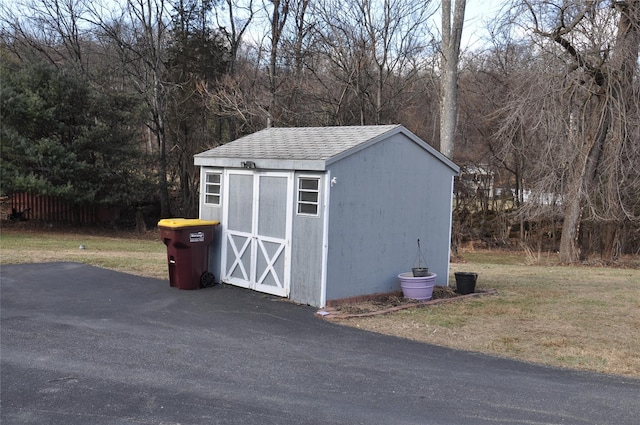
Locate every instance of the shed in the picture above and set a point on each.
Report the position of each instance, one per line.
(322, 214)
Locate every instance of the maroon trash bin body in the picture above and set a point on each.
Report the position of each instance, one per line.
(187, 242)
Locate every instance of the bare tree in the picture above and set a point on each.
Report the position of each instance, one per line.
(301, 30)
(57, 29)
(238, 19)
(371, 48)
(278, 19)
(234, 25)
(451, 37)
(343, 62)
(395, 29)
(586, 110)
(141, 31)
(277, 13)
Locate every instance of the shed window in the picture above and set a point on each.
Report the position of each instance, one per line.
(308, 195)
(212, 188)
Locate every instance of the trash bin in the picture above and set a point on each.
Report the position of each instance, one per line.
(187, 242)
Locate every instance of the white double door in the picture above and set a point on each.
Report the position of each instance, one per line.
(256, 252)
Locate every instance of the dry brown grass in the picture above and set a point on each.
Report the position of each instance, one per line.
(577, 317)
(143, 255)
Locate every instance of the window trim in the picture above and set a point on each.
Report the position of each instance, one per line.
(207, 184)
(299, 190)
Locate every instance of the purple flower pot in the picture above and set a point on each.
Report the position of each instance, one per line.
(417, 288)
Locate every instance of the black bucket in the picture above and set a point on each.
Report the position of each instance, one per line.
(466, 282)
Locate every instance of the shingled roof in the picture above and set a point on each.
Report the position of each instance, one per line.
(302, 148)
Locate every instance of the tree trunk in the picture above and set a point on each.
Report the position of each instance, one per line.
(448, 110)
(278, 19)
(582, 181)
(163, 184)
(451, 37)
(609, 241)
(608, 128)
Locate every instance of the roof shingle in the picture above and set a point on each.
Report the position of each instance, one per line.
(298, 143)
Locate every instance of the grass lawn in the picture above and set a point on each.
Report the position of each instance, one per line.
(144, 255)
(577, 317)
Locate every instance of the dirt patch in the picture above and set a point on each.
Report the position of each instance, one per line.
(385, 303)
(393, 303)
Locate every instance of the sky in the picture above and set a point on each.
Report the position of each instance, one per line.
(477, 13)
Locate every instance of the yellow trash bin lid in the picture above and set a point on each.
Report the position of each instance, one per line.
(177, 223)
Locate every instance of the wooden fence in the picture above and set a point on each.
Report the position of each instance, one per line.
(52, 209)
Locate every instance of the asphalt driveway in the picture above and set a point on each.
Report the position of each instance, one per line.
(83, 345)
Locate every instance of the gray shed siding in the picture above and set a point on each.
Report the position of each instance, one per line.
(307, 249)
(385, 198)
(381, 188)
(211, 212)
(307, 241)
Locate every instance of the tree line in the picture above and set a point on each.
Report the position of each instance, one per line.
(107, 102)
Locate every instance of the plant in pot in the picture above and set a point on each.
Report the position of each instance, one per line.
(418, 270)
(418, 284)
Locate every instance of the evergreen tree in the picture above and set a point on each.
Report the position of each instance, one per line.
(197, 58)
(63, 138)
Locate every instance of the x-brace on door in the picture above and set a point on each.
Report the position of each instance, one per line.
(257, 218)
